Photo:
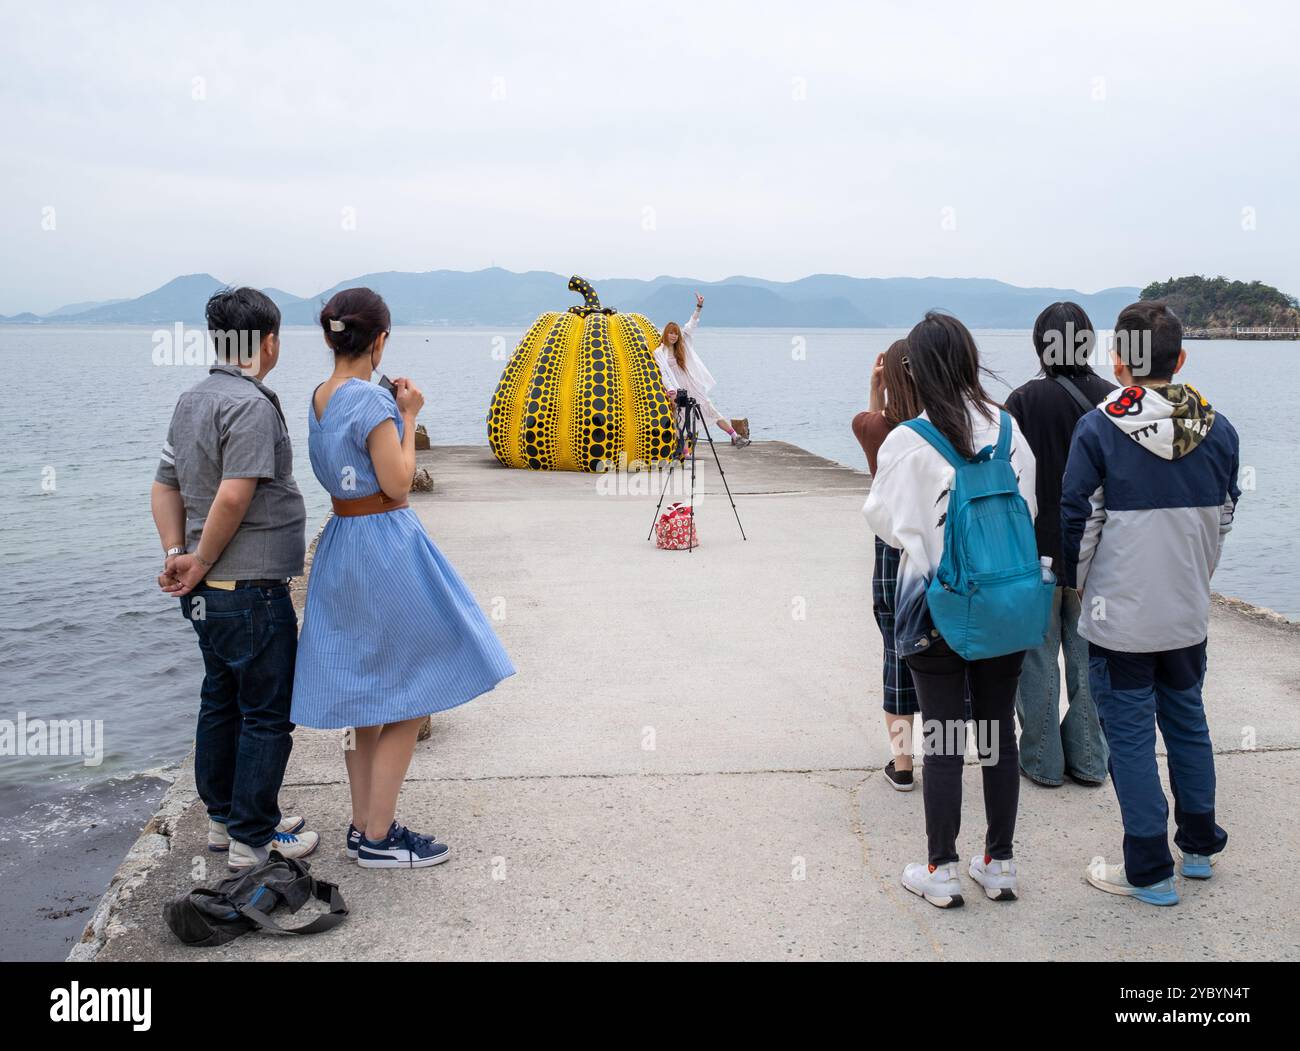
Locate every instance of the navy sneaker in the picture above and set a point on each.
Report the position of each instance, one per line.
(353, 842)
(402, 849)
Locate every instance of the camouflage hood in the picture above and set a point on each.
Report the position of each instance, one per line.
(1168, 420)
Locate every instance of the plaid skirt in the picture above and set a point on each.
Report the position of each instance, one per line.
(900, 691)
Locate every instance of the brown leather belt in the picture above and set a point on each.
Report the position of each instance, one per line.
(374, 504)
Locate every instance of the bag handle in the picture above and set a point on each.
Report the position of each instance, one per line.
(321, 890)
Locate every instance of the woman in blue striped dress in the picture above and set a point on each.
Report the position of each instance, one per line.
(390, 633)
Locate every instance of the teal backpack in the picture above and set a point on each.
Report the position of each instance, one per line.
(988, 596)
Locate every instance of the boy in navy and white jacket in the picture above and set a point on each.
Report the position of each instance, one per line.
(1149, 493)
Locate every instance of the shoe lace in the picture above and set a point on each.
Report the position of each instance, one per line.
(284, 837)
(414, 840)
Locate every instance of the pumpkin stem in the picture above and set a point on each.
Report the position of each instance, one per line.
(591, 301)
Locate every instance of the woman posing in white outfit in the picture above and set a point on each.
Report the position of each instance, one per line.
(682, 369)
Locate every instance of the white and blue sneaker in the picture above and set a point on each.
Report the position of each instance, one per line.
(402, 849)
(1112, 880)
(1197, 866)
(998, 878)
(937, 884)
(219, 836)
(287, 844)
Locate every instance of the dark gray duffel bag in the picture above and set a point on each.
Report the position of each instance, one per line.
(219, 913)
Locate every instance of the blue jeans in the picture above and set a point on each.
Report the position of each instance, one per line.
(249, 641)
(1051, 746)
(1136, 692)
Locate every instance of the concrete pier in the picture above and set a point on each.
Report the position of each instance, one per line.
(687, 765)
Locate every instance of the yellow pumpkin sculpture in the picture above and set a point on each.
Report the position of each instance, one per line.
(582, 393)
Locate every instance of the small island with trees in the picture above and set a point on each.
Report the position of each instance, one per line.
(1216, 308)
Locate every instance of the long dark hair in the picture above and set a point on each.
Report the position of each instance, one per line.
(1065, 330)
(900, 395)
(944, 364)
(353, 319)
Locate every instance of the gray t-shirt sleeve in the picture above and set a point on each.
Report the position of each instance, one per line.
(250, 431)
(166, 473)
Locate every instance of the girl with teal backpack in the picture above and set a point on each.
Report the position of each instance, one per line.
(954, 492)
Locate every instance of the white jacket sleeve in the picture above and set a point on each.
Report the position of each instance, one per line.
(883, 498)
(688, 329)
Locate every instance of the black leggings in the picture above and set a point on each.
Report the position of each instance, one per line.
(942, 680)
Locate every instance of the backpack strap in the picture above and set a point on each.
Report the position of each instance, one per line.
(1070, 388)
(321, 890)
(934, 436)
(1003, 451)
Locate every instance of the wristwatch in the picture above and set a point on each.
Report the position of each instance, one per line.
(173, 551)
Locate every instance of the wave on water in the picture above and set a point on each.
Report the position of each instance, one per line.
(37, 813)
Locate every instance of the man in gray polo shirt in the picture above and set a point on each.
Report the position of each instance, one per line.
(232, 523)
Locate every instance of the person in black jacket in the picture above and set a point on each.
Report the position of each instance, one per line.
(1047, 409)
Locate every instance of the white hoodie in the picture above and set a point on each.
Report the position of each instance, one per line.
(908, 505)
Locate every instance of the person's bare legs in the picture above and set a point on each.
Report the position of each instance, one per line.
(899, 729)
(391, 757)
(360, 762)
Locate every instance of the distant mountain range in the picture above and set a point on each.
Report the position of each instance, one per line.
(501, 298)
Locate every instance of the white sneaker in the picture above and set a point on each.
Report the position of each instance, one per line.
(998, 878)
(287, 845)
(219, 835)
(938, 885)
(1112, 880)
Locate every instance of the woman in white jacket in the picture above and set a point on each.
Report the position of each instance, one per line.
(681, 369)
(907, 508)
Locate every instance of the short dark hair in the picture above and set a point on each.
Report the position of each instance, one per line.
(240, 318)
(353, 319)
(1150, 323)
(1059, 328)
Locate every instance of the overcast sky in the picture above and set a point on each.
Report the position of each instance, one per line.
(1084, 145)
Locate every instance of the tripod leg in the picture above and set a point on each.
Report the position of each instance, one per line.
(690, 544)
(662, 493)
(714, 448)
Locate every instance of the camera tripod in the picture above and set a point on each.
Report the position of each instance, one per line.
(692, 422)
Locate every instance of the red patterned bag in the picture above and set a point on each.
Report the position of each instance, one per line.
(675, 530)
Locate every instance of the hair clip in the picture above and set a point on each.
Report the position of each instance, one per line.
(336, 325)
